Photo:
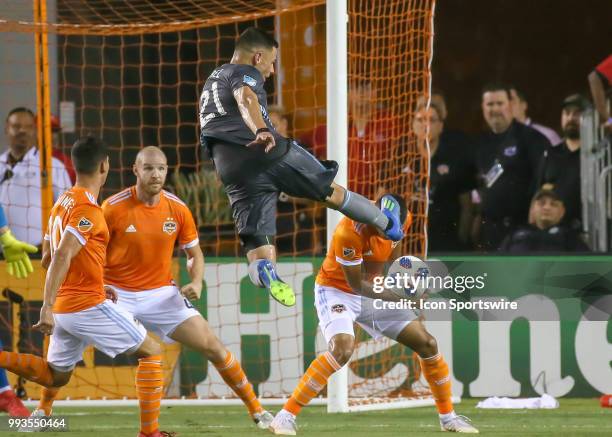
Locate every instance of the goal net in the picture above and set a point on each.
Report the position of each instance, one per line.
(131, 72)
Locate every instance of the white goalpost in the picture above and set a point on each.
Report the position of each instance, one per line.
(338, 400)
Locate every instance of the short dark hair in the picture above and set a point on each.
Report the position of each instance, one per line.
(254, 38)
(521, 95)
(402, 204)
(497, 86)
(20, 109)
(87, 154)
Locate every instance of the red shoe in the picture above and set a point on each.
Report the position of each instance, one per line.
(10, 403)
(158, 433)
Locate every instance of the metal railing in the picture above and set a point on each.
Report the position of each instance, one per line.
(596, 182)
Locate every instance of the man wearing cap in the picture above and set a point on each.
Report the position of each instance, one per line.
(560, 168)
(546, 234)
(507, 158)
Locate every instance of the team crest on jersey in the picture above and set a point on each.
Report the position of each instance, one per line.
(338, 308)
(348, 252)
(249, 80)
(169, 226)
(84, 225)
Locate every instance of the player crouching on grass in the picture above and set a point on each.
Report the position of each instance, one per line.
(344, 295)
(145, 223)
(75, 306)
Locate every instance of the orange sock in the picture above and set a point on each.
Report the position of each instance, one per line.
(47, 396)
(312, 382)
(437, 375)
(31, 367)
(149, 387)
(233, 375)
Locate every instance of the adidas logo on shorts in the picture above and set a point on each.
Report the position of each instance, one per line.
(130, 228)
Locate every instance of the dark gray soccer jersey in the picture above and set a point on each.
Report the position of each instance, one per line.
(220, 117)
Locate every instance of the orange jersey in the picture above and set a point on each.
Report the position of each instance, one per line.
(142, 239)
(76, 211)
(352, 244)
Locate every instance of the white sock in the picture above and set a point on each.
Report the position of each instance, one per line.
(448, 416)
(283, 411)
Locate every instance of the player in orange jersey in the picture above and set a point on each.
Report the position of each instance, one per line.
(76, 310)
(145, 223)
(344, 295)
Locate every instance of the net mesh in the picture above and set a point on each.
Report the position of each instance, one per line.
(131, 72)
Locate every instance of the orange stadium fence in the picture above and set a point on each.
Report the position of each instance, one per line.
(131, 72)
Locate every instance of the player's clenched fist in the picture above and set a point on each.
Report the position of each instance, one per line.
(46, 322)
(192, 291)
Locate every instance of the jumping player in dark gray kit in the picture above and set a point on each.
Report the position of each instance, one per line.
(255, 163)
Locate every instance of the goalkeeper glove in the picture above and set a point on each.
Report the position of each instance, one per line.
(16, 254)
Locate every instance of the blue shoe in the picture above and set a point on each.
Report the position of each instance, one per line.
(390, 208)
(280, 291)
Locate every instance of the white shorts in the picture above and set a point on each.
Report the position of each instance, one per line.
(160, 310)
(338, 310)
(106, 326)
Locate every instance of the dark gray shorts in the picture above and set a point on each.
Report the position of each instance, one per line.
(253, 198)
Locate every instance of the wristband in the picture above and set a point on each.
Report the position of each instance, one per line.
(609, 120)
(261, 129)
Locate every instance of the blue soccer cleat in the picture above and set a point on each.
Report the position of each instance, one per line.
(280, 291)
(390, 208)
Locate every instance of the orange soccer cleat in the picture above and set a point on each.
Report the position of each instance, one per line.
(10, 403)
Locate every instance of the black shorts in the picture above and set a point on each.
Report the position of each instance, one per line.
(253, 186)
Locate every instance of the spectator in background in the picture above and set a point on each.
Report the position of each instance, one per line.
(560, 168)
(519, 111)
(371, 135)
(600, 81)
(451, 180)
(546, 234)
(438, 99)
(297, 219)
(20, 189)
(507, 159)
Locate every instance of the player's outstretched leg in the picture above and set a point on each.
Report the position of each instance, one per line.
(356, 207)
(31, 367)
(313, 382)
(437, 375)
(9, 402)
(196, 334)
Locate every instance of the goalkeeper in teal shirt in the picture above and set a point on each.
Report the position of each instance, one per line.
(15, 252)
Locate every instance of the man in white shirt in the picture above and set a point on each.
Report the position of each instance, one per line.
(20, 192)
(519, 111)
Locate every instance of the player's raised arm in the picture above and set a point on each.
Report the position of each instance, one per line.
(60, 263)
(249, 107)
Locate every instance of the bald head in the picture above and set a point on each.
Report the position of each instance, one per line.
(151, 169)
(150, 154)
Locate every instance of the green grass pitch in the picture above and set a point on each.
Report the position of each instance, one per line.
(575, 417)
